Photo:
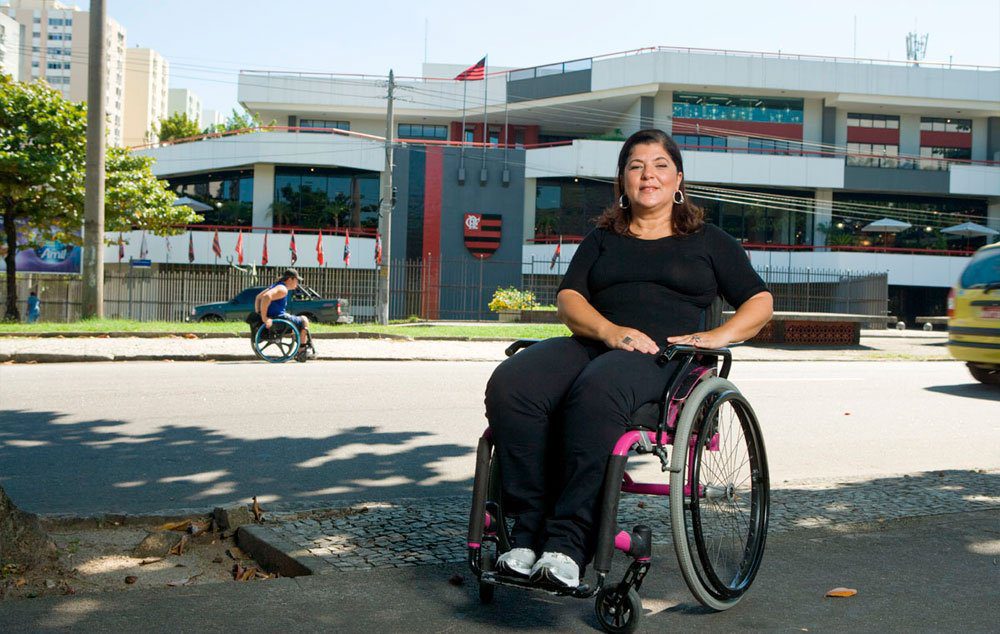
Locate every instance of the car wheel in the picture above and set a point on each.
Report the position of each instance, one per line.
(988, 376)
(214, 318)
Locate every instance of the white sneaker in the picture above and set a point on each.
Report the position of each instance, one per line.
(517, 561)
(557, 569)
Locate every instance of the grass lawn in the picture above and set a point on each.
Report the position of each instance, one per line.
(490, 330)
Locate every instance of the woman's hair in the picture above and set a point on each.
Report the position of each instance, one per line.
(686, 217)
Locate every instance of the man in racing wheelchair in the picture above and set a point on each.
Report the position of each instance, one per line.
(272, 303)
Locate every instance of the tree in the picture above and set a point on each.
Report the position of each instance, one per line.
(178, 126)
(42, 170)
(237, 121)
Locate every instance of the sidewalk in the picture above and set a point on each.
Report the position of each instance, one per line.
(932, 574)
(875, 345)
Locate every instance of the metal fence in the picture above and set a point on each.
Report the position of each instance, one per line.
(430, 289)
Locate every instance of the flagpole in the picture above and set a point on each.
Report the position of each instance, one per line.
(486, 127)
(461, 136)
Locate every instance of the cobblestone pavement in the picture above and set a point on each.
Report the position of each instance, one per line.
(416, 532)
(875, 345)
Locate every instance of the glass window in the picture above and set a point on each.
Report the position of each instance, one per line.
(325, 197)
(422, 131)
(737, 108)
(324, 124)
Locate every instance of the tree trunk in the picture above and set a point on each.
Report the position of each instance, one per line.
(22, 540)
(11, 314)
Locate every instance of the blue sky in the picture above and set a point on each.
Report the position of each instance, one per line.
(208, 41)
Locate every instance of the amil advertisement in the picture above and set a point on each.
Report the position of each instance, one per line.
(43, 257)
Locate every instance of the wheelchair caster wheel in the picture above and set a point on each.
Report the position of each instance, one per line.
(616, 613)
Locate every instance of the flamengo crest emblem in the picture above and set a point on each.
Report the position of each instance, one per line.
(482, 234)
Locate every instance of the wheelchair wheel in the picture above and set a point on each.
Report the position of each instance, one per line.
(719, 522)
(618, 614)
(277, 344)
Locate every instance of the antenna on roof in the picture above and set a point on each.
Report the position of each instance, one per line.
(916, 47)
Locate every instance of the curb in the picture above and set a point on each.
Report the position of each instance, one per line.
(275, 553)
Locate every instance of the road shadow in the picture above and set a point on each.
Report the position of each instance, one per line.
(99, 466)
(968, 390)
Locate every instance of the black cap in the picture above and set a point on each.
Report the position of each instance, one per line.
(291, 273)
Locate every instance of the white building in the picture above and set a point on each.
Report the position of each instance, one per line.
(10, 46)
(59, 37)
(185, 101)
(793, 155)
(211, 118)
(147, 76)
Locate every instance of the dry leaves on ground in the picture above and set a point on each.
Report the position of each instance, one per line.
(841, 592)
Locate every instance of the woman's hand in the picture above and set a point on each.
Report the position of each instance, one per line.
(709, 339)
(621, 338)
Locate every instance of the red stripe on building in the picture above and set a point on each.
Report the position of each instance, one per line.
(478, 244)
(711, 127)
(482, 234)
(882, 136)
(929, 138)
(431, 254)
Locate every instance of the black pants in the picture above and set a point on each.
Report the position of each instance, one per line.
(556, 410)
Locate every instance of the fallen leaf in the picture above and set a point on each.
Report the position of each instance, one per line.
(847, 413)
(217, 560)
(183, 582)
(131, 579)
(179, 548)
(456, 580)
(190, 335)
(182, 525)
(236, 553)
(146, 562)
(197, 528)
(258, 513)
(842, 592)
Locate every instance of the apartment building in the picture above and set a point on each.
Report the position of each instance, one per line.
(58, 36)
(10, 46)
(147, 75)
(185, 101)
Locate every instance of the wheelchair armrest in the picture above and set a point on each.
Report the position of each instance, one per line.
(518, 345)
(725, 354)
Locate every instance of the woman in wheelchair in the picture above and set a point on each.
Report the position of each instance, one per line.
(272, 303)
(643, 279)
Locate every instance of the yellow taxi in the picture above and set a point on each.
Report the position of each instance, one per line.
(974, 316)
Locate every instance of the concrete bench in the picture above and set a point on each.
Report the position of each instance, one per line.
(823, 329)
(930, 321)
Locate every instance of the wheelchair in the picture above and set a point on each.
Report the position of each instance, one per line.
(707, 438)
(279, 343)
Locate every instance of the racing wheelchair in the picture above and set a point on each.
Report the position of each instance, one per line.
(279, 343)
(706, 437)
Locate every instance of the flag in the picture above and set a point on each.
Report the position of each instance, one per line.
(319, 248)
(143, 250)
(216, 246)
(555, 256)
(169, 250)
(121, 247)
(476, 72)
(263, 257)
(291, 248)
(378, 248)
(347, 248)
(190, 247)
(239, 248)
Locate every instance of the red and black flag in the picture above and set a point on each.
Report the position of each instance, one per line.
(476, 72)
(378, 248)
(347, 248)
(239, 249)
(556, 255)
(263, 256)
(121, 247)
(216, 245)
(292, 250)
(319, 249)
(482, 234)
(190, 248)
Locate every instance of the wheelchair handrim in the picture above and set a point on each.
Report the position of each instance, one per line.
(286, 355)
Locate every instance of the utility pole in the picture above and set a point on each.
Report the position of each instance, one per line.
(93, 209)
(385, 215)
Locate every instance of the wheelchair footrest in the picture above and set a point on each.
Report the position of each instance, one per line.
(582, 591)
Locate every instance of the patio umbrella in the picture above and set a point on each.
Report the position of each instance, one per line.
(886, 226)
(970, 230)
(192, 203)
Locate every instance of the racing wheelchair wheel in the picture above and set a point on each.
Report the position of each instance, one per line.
(618, 614)
(719, 494)
(277, 344)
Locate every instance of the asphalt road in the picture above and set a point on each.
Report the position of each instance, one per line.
(151, 436)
